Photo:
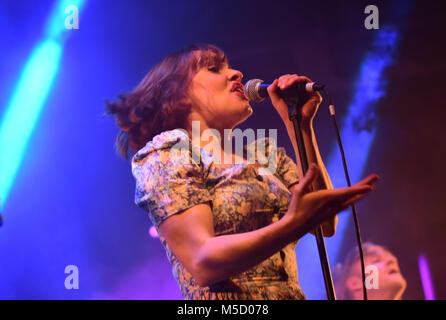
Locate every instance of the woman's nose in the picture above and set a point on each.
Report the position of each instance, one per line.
(235, 75)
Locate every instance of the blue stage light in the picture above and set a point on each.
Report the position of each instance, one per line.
(359, 124)
(22, 112)
(56, 23)
(29, 96)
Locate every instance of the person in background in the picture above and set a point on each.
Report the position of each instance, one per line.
(390, 282)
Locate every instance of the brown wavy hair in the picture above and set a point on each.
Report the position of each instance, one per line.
(158, 103)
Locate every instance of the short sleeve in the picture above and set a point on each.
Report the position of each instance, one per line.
(286, 168)
(166, 186)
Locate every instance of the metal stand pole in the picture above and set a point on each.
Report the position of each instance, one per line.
(294, 115)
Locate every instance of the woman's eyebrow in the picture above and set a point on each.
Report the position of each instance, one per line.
(375, 254)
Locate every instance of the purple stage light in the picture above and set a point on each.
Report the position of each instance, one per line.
(426, 278)
(153, 233)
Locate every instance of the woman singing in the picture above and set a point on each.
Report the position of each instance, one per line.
(229, 231)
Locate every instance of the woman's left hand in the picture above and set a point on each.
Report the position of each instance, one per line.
(308, 110)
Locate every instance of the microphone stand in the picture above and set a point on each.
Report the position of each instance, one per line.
(294, 106)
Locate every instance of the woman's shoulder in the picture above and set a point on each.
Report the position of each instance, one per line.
(163, 141)
(170, 152)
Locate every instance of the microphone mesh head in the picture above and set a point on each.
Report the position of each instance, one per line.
(251, 90)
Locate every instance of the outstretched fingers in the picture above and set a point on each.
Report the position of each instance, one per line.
(352, 200)
(343, 194)
(334, 207)
(369, 180)
(349, 196)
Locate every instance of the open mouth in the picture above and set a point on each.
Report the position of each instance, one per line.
(241, 94)
(238, 89)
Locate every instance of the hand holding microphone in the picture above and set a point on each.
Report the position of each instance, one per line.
(286, 87)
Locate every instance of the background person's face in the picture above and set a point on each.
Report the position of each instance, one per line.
(213, 98)
(391, 282)
(390, 277)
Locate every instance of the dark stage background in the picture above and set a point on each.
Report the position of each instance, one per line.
(72, 200)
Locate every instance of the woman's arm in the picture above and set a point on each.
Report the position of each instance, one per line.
(210, 258)
(308, 113)
(313, 156)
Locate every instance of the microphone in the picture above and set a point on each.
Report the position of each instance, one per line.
(255, 90)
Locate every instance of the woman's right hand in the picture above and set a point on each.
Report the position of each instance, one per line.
(309, 209)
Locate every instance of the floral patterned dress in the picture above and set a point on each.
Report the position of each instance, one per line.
(241, 200)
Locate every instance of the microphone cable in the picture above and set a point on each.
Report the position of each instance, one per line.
(347, 177)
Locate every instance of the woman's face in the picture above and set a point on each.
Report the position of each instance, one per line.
(217, 97)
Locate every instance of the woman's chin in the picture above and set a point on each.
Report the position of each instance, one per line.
(245, 115)
(247, 109)
(238, 114)
(250, 111)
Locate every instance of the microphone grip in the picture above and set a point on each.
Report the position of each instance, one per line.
(299, 89)
(255, 90)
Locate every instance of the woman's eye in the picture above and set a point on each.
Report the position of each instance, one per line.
(213, 69)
